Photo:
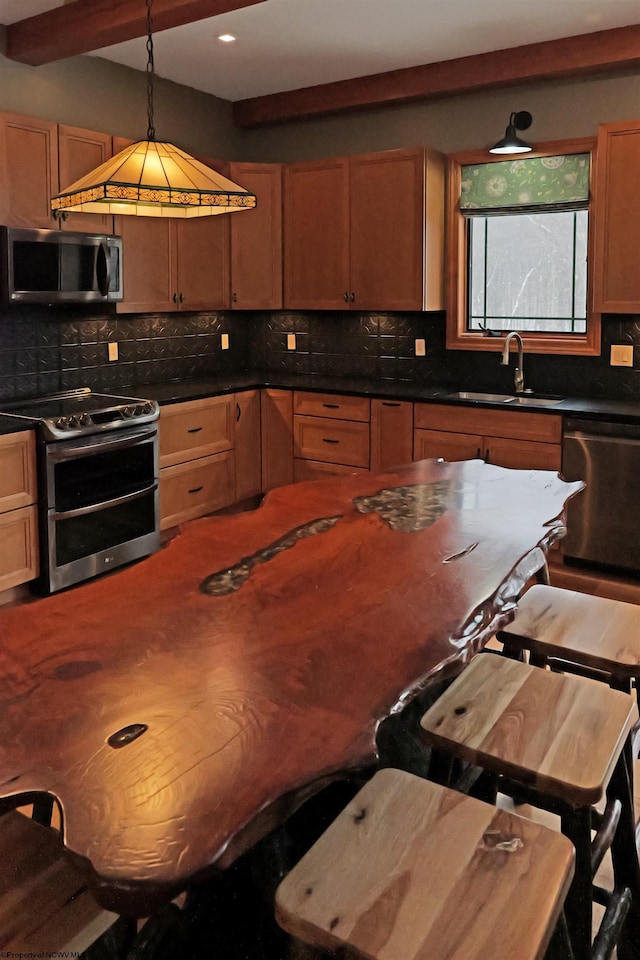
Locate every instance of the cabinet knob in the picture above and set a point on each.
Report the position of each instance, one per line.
(238, 412)
(346, 298)
(352, 297)
(175, 298)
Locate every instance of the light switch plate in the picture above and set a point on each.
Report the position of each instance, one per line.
(621, 355)
(224, 341)
(113, 350)
(291, 341)
(421, 348)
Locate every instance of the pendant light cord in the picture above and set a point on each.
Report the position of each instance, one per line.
(151, 132)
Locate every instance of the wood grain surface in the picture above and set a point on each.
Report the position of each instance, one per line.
(177, 726)
(558, 733)
(414, 870)
(595, 631)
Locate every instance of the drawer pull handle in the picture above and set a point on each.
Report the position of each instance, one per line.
(194, 430)
(389, 403)
(196, 490)
(324, 440)
(238, 412)
(331, 406)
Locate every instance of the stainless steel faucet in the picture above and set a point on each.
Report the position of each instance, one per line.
(518, 376)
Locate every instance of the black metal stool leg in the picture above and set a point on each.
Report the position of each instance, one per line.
(624, 854)
(576, 825)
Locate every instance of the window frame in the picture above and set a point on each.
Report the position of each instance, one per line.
(458, 337)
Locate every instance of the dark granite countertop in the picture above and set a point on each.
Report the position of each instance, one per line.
(174, 392)
(625, 411)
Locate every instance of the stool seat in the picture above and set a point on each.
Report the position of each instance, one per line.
(595, 632)
(411, 869)
(560, 734)
(45, 906)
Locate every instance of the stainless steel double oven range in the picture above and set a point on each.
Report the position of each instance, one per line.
(97, 482)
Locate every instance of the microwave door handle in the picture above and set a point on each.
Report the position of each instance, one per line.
(103, 273)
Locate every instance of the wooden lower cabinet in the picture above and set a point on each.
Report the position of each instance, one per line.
(189, 490)
(247, 444)
(507, 438)
(197, 460)
(18, 511)
(276, 438)
(391, 433)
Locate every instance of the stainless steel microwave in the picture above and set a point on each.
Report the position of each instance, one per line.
(57, 266)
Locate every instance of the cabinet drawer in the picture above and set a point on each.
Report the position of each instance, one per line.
(192, 489)
(19, 551)
(316, 470)
(523, 454)
(17, 470)
(330, 405)
(196, 429)
(433, 444)
(332, 441)
(521, 425)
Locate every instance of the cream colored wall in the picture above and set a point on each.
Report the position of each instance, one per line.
(569, 108)
(98, 95)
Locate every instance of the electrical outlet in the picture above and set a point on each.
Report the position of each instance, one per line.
(421, 348)
(621, 355)
(291, 341)
(224, 341)
(113, 350)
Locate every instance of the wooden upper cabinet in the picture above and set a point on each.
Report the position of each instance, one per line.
(366, 232)
(28, 171)
(79, 152)
(171, 265)
(616, 275)
(256, 239)
(316, 235)
(396, 230)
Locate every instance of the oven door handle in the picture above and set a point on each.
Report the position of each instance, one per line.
(104, 504)
(101, 446)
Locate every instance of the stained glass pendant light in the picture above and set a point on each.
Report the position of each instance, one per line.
(152, 178)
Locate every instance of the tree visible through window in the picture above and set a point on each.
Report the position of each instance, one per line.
(528, 272)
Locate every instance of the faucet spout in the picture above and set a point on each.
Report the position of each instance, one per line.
(518, 376)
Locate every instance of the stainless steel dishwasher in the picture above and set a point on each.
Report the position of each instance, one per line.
(603, 522)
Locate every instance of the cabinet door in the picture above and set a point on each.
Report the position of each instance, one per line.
(28, 171)
(256, 239)
(386, 192)
(79, 152)
(202, 246)
(523, 454)
(148, 265)
(434, 444)
(17, 470)
(617, 280)
(316, 235)
(19, 554)
(189, 490)
(391, 433)
(196, 428)
(277, 438)
(247, 444)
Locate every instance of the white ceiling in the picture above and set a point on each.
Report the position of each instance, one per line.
(287, 44)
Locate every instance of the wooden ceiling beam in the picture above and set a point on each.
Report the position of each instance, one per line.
(589, 53)
(82, 26)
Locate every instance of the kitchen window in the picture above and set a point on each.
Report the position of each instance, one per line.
(519, 244)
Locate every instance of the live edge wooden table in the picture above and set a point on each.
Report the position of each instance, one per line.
(181, 708)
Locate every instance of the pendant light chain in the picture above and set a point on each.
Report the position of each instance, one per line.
(151, 132)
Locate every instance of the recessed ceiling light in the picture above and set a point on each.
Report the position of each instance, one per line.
(226, 38)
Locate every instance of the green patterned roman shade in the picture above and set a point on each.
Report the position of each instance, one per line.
(540, 183)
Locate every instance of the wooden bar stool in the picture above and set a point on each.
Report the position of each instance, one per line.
(411, 870)
(45, 906)
(562, 741)
(578, 633)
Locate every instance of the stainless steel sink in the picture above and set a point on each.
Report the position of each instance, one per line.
(486, 397)
(505, 398)
(538, 401)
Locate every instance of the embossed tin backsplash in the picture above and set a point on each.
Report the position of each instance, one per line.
(43, 350)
